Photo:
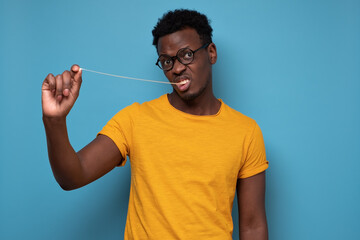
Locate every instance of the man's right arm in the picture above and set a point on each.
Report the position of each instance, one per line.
(72, 169)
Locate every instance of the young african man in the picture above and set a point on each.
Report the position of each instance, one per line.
(189, 151)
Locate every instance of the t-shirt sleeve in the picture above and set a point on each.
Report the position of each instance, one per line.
(255, 159)
(119, 130)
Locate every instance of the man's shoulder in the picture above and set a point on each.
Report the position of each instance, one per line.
(237, 116)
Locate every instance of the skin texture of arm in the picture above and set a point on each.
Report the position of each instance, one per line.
(72, 170)
(251, 202)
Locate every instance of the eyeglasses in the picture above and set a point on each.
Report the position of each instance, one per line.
(184, 56)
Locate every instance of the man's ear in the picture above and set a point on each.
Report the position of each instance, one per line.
(212, 53)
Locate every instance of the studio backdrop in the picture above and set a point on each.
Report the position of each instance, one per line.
(293, 66)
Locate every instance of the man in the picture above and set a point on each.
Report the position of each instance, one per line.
(189, 151)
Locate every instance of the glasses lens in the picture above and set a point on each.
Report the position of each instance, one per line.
(165, 62)
(185, 55)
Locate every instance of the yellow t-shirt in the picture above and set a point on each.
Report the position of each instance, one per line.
(184, 168)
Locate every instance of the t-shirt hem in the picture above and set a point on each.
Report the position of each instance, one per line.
(255, 171)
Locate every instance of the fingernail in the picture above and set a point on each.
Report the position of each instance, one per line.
(66, 92)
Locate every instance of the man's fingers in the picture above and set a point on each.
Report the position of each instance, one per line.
(59, 87)
(66, 77)
(63, 84)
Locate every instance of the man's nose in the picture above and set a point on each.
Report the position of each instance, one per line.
(178, 67)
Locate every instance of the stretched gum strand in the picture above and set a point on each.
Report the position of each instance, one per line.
(131, 78)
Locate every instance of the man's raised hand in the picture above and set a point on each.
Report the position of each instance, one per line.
(60, 93)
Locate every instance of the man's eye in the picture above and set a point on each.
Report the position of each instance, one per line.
(166, 62)
(188, 55)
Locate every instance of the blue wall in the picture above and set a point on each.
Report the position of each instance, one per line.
(294, 66)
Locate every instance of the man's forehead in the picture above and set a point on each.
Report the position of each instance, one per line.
(172, 42)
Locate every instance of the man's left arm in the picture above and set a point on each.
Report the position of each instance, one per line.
(251, 202)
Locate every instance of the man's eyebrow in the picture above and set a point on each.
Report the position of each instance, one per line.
(186, 46)
(164, 55)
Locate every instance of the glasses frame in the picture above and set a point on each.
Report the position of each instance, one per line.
(173, 58)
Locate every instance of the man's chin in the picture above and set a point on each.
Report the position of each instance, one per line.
(188, 96)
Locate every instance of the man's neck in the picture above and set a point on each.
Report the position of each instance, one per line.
(206, 104)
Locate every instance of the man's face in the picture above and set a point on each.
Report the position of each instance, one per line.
(195, 78)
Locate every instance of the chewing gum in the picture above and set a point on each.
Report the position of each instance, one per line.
(125, 77)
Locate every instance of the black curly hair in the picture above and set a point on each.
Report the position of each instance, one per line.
(179, 19)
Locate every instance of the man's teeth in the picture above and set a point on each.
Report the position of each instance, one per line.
(184, 81)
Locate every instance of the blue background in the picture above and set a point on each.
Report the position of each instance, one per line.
(293, 66)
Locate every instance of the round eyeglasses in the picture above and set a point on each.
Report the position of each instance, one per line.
(184, 56)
